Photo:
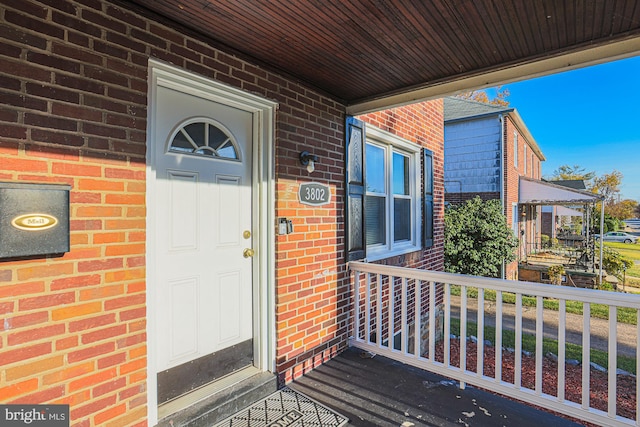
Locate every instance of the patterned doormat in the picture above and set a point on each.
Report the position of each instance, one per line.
(285, 408)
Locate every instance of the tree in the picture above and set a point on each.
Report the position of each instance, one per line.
(477, 239)
(610, 223)
(575, 172)
(637, 211)
(482, 96)
(608, 185)
(622, 210)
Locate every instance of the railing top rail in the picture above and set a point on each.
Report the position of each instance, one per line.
(514, 286)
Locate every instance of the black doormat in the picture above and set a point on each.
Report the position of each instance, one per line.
(285, 408)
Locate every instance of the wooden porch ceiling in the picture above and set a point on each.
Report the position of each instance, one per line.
(372, 54)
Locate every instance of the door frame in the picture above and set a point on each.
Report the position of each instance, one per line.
(263, 208)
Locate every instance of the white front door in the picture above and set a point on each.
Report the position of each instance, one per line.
(203, 241)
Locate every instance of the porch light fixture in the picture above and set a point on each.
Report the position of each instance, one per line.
(309, 160)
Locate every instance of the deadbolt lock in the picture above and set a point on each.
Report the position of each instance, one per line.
(246, 234)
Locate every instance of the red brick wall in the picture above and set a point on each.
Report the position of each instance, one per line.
(422, 124)
(511, 182)
(73, 93)
(512, 176)
(312, 283)
(511, 172)
(313, 303)
(72, 110)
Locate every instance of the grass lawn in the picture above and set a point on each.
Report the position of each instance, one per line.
(572, 351)
(625, 315)
(629, 251)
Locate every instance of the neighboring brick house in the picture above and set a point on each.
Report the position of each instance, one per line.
(487, 149)
(182, 160)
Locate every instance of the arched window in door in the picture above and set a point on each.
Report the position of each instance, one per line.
(204, 137)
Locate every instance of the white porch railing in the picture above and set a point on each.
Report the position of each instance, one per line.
(406, 327)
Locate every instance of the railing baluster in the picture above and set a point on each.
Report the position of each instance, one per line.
(417, 312)
(463, 329)
(447, 325)
(356, 305)
(379, 312)
(517, 380)
(562, 347)
(480, 344)
(586, 351)
(539, 336)
(463, 332)
(404, 331)
(399, 310)
(367, 314)
(432, 321)
(613, 358)
(498, 337)
(391, 313)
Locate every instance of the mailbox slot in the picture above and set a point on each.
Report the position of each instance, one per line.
(34, 219)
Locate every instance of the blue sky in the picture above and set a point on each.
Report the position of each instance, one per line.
(588, 117)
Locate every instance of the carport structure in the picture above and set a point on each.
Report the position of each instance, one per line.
(535, 193)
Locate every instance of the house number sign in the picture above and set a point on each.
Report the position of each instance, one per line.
(314, 194)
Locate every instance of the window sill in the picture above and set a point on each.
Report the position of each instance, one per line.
(377, 255)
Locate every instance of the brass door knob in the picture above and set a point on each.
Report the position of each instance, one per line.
(248, 253)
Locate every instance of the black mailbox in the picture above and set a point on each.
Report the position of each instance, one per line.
(34, 219)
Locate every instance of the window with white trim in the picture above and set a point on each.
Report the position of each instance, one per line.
(392, 208)
(525, 159)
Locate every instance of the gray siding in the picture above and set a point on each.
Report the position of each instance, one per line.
(472, 156)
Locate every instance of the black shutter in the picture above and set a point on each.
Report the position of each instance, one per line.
(354, 206)
(427, 185)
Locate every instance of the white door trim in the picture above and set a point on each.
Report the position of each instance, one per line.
(263, 111)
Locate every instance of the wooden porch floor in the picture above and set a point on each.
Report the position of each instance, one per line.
(381, 392)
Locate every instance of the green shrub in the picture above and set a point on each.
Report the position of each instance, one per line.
(544, 241)
(477, 239)
(555, 273)
(606, 286)
(615, 263)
